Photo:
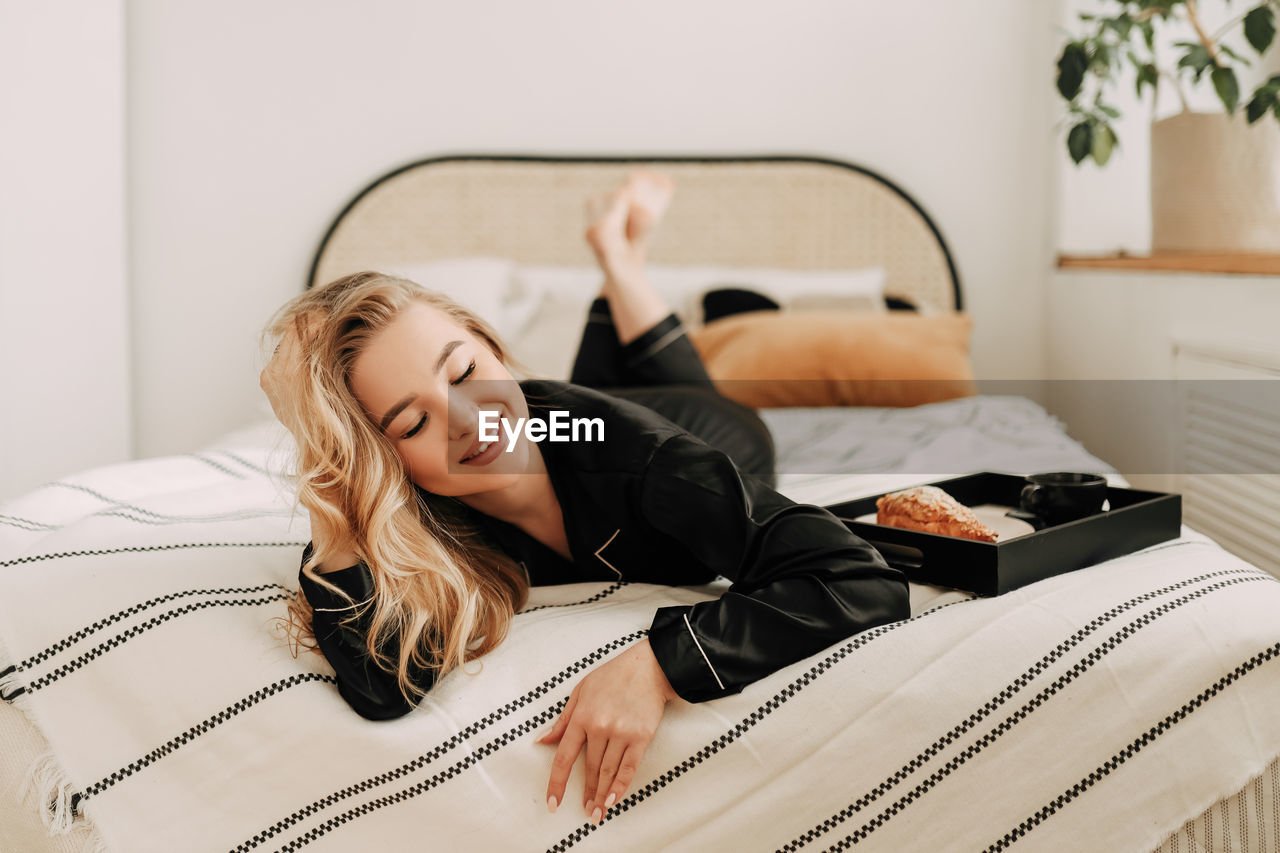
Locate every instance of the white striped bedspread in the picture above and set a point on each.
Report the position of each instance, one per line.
(1097, 710)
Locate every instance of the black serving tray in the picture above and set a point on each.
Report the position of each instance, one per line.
(1135, 519)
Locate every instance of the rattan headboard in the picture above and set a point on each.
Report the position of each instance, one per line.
(786, 212)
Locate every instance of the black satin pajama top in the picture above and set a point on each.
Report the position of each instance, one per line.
(654, 504)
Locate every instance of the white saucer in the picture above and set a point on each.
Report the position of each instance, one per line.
(992, 515)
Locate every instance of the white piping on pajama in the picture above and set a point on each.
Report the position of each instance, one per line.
(658, 344)
(606, 545)
(704, 654)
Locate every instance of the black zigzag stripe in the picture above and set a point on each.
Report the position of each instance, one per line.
(120, 639)
(204, 727)
(474, 756)
(93, 628)
(245, 462)
(138, 549)
(992, 705)
(1164, 546)
(117, 505)
(79, 488)
(444, 748)
(604, 593)
(217, 465)
(1081, 666)
(25, 523)
(742, 727)
(1134, 748)
(160, 520)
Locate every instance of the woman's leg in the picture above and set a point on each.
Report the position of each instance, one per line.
(660, 355)
(631, 337)
(622, 223)
(634, 347)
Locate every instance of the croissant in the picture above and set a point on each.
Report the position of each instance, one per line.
(932, 510)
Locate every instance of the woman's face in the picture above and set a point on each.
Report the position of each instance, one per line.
(423, 381)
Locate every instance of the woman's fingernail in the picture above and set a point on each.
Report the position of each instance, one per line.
(551, 804)
(609, 801)
(595, 816)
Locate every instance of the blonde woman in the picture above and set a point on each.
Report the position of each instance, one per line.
(425, 538)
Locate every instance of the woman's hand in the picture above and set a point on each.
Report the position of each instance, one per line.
(614, 712)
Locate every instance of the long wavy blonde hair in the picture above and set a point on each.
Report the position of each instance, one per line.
(442, 595)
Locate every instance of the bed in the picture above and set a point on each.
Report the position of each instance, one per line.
(151, 704)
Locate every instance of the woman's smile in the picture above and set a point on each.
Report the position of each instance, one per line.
(487, 452)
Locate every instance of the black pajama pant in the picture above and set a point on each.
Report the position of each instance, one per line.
(662, 371)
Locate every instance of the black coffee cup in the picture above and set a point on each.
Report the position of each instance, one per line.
(1060, 497)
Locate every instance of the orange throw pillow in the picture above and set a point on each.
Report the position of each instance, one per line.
(774, 359)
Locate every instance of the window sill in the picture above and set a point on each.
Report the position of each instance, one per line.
(1238, 263)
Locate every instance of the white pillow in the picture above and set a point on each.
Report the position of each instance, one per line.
(481, 284)
(549, 304)
(852, 289)
(548, 343)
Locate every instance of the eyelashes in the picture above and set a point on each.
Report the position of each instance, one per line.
(411, 433)
(423, 420)
(470, 369)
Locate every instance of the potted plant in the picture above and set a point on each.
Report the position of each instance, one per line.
(1215, 177)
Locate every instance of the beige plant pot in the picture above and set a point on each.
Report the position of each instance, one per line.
(1215, 183)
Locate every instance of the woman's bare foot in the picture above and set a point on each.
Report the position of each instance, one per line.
(607, 233)
(621, 223)
(650, 196)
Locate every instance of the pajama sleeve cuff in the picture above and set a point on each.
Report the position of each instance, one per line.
(682, 657)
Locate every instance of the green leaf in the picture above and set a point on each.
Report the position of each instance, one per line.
(1104, 142)
(1224, 82)
(1071, 68)
(1196, 58)
(1121, 24)
(1264, 99)
(1079, 141)
(1148, 33)
(1100, 59)
(1260, 28)
(1148, 75)
(1107, 109)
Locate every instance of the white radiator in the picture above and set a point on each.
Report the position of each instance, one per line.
(1227, 446)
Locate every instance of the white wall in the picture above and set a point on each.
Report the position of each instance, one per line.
(251, 124)
(1107, 209)
(1122, 326)
(64, 386)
